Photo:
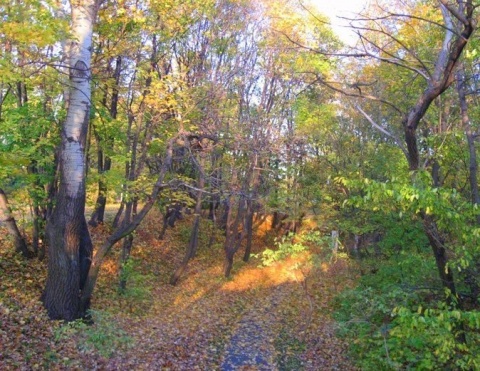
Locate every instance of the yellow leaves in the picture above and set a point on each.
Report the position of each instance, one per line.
(175, 17)
(31, 24)
(297, 22)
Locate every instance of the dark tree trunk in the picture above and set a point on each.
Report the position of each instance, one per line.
(275, 220)
(98, 215)
(193, 243)
(161, 235)
(118, 215)
(126, 250)
(250, 211)
(190, 253)
(41, 205)
(127, 245)
(52, 190)
(226, 212)
(7, 218)
(70, 252)
(470, 134)
(172, 214)
(228, 263)
(38, 238)
(104, 160)
(214, 202)
(234, 237)
(215, 181)
(438, 248)
(124, 230)
(471, 278)
(166, 217)
(213, 229)
(455, 39)
(249, 231)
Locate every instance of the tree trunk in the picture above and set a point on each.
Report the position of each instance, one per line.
(127, 244)
(161, 236)
(249, 230)
(118, 215)
(126, 250)
(223, 222)
(193, 243)
(7, 218)
(104, 165)
(104, 160)
(70, 246)
(234, 237)
(190, 253)
(124, 230)
(98, 214)
(248, 227)
(38, 238)
(455, 39)
(471, 277)
(438, 248)
(470, 134)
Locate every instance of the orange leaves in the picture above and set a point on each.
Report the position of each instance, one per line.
(189, 326)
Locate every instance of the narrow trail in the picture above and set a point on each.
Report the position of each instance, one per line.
(262, 319)
(252, 341)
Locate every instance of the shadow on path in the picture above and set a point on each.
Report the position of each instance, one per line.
(251, 346)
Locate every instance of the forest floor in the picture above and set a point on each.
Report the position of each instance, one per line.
(262, 318)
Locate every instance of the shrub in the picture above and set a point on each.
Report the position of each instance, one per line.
(103, 336)
(392, 323)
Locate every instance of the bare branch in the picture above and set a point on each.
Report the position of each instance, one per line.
(394, 60)
(456, 12)
(331, 85)
(397, 141)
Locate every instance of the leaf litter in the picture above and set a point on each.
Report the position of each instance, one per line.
(262, 318)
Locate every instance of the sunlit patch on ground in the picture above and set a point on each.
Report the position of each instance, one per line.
(188, 326)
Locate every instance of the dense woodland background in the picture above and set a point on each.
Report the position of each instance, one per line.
(145, 144)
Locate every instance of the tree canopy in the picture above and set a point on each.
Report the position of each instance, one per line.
(233, 112)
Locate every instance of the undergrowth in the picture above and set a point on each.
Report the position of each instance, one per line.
(393, 323)
(103, 336)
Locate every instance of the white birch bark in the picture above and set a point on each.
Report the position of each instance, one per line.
(69, 243)
(76, 124)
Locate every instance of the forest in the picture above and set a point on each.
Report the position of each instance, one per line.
(229, 184)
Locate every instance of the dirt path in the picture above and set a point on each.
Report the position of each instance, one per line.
(259, 319)
(252, 342)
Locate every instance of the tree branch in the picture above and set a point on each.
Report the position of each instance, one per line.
(397, 141)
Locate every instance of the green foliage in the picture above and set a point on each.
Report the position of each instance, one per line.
(429, 338)
(137, 295)
(393, 323)
(405, 202)
(284, 249)
(103, 336)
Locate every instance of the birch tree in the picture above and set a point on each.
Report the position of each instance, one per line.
(70, 246)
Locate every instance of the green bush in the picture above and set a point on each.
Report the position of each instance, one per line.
(137, 295)
(392, 323)
(284, 250)
(285, 247)
(429, 338)
(103, 336)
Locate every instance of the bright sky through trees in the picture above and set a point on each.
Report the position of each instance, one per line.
(341, 8)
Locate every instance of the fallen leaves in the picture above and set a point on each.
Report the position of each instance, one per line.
(192, 326)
